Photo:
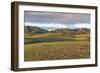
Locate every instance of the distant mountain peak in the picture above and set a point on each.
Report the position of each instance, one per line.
(34, 29)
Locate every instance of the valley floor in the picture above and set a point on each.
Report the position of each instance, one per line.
(57, 50)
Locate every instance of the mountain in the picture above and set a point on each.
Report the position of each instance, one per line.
(72, 31)
(42, 35)
(33, 29)
(81, 30)
(61, 31)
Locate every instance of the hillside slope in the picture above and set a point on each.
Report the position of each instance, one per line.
(41, 35)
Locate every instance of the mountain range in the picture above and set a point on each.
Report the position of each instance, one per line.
(34, 29)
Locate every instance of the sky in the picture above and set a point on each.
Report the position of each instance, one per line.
(56, 20)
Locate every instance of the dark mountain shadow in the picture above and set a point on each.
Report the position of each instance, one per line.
(33, 29)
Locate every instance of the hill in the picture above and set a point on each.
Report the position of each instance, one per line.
(36, 34)
(33, 29)
(72, 31)
(41, 44)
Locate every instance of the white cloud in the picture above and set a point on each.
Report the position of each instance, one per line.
(49, 25)
(53, 26)
(81, 25)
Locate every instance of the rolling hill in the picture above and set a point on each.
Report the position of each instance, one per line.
(33, 29)
(41, 44)
(36, 34)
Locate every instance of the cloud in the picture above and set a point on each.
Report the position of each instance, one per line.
(50, 26)
(80, 25)
(53, 26)
(56, 20)
(56, 17)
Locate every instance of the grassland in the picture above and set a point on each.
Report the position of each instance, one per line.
(56, 46)
(57, 50)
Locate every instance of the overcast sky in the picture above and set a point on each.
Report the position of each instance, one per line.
(53, 20)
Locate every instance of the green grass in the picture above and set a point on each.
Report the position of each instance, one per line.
(54, 37)
(57, 50)
(56, 46)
